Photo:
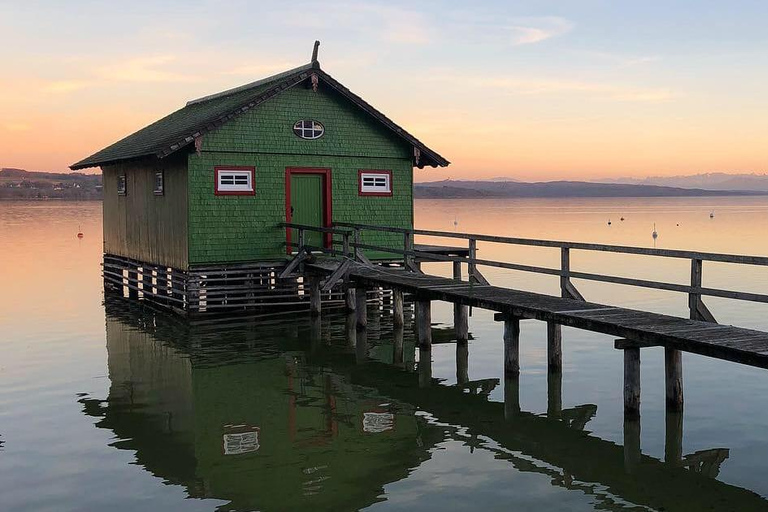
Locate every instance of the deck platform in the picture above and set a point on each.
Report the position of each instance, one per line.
(736, 344)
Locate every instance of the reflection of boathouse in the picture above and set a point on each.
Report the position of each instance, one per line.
(274, 418)
(265, 433)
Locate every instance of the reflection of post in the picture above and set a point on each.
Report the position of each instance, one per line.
(632, 452)
(511, 398)
(397, 307)
(424, 323)
(425, 366)
(350, 327)
(315, 332)
(315, 298)
(361, 345)
(554, 394)
(511, 347)
(673, 372)
(397, 333)
(673, 438)
(462, 363)
(361, 307)
(350, 301)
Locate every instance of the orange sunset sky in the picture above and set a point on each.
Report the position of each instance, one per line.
(529, 90)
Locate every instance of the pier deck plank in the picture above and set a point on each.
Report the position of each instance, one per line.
(736, 344)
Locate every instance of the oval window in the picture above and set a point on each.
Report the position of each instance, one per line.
(308, 129)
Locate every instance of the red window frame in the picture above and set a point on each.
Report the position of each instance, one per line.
(360, 173)
(219, 168)
(327, 201)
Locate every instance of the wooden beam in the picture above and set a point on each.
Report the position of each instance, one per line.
(315, 296)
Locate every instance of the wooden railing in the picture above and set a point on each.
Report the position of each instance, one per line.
(410, 254)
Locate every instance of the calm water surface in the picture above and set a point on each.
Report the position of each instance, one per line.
(113, 407)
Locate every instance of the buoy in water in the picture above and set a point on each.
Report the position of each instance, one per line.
(79, 232)
(609, 222)
(711, 215)
(655, 234)
(622, 219)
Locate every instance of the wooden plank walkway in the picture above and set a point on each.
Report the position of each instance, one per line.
(740, 345)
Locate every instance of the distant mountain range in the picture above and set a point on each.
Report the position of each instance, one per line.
(707, 181)
(489, 189)
(21, 184)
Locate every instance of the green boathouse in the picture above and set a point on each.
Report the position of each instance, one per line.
(196, 199)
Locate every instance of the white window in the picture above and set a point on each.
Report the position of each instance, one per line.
(234, 181)
(159, 184)
(375, 183)
(308, 129)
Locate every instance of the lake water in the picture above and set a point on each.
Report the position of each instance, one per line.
(114, 407)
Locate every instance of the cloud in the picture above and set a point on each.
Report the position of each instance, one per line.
(534, 30)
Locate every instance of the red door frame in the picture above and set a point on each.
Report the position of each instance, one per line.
(327, 200)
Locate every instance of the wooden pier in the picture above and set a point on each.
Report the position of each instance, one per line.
(344, 262)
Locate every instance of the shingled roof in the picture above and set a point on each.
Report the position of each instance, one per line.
(203, 115)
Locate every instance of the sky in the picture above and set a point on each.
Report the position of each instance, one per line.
(532, 90)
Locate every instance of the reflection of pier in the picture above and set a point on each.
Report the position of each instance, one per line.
(554, 445)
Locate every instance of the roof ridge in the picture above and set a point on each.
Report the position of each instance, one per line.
(257, 83)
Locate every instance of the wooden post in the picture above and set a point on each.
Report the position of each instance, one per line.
(315, 297)
(471, 266)
(673, 373)
(397, 334)
(554, 347)
(407, 248)
(462, 363)
(424, 323)
(133, 280)
(694, 298)
(361, 307)
(511, 348)
(554, 394)
(460, 311)
(673, 437)
(345, 245)
(356, 250)
(565, 267)
(632, 382)
(162, 285)
(397, 308)
(301, 239)
(146, 282)
(315, 333)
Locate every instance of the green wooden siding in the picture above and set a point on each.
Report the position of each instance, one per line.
(243, 228)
